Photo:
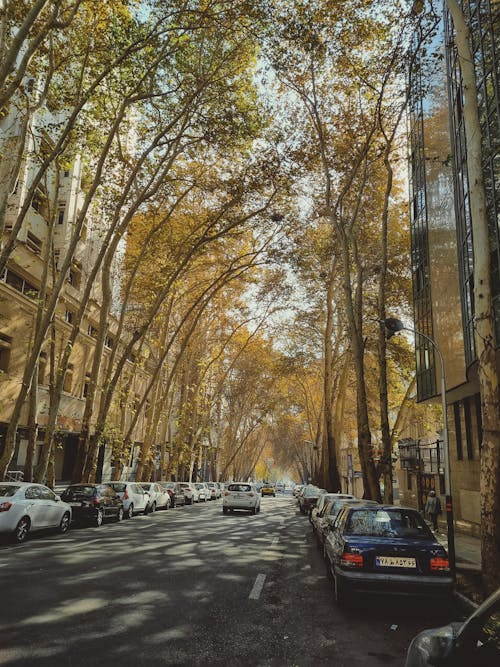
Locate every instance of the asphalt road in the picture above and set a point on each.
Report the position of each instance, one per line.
(192, 586)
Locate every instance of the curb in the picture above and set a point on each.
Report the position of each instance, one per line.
(467, 605)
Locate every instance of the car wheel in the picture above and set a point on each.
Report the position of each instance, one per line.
(254, 510)
(119, 516)
(98, 518)
(130, 511)
(22, 529)
(224, 510)
(65, 521)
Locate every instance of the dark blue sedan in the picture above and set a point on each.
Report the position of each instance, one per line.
(385, 549)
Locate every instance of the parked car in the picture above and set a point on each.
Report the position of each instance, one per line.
(215, 490)
(268, 489)
(320, 505)
(159, 496)
(135, 499)
(26, 507)
(175, 492)
(189, 491)
(92, 503)
(309, 497)
(323, 500)
(330, 513)
(241, 496)
(385, 549)
(297, 489)
(474, 642)
(203, 492)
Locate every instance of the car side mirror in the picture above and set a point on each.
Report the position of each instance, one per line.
(57, 497)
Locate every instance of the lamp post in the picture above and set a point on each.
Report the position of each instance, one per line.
(393, 326)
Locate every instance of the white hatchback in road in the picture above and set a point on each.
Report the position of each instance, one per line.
(241, 496)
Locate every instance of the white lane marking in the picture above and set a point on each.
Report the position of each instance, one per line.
(257, 587)
(146, 525)
(275, 541)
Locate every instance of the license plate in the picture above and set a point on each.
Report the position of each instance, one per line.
(75, 504)
(394, 561)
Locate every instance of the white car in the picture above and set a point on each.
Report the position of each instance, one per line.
(203, 492)
(135, 498)
(214, 490)
(190, 492)
(26, 507)
(241, 496)
(159, 496)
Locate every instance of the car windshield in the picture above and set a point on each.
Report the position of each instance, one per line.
(146, 487)
(199, 486)
(311, 491)
(8, 490)
(80, 490)
(387, 523)
(239, 487)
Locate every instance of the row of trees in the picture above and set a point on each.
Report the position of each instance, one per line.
(241, 160)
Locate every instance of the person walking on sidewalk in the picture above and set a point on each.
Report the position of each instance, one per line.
(433, 508)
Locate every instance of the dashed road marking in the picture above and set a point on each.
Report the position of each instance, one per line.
(257, 587)
(275, 541)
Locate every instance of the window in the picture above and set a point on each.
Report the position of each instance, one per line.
(5, 347)
(109, 342)
(458, 431)
(68, 379)
(86, 385)
(74, 277)
(92, 331)
(468, 430)
(33, 493)
(33, 243)
(61, 210)
(479, 420)
(408, 480)
(69, 316)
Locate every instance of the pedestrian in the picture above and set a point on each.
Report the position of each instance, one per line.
(433, 508)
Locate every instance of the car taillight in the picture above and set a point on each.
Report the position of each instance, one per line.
(440, 564)
(226, 493)
(5, 507)
(125, 496)
(251, 495)
(351, 560)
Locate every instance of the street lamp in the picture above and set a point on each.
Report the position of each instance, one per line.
(393, 326)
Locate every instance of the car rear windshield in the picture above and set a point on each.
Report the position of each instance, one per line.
(118, 487)
(387, 523)
(8, 490)
(82, 490)
(239, 487)
(311, 492)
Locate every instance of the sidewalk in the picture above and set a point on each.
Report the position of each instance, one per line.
(467, 550)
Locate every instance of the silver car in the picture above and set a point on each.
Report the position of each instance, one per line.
(26, 507)
(135, 498)
(159, 496)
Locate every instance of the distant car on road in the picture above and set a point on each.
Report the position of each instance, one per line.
(175, 492)
(159, 496)
(215, 490)
(189, 491)
(268, 490)
(385, 549)
(93, 503)
(135, 498)
(474, 642)
(26, 507)
(308, 498)
(203, 492)
(241, 496)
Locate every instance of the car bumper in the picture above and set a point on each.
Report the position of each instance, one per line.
(84, 513)
(240, 506)
(395, 584)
